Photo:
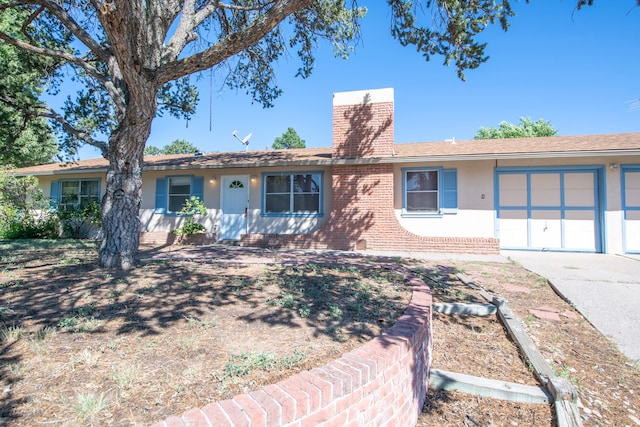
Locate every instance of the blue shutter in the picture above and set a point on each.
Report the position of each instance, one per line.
(449, 191)
(54, 194)
(197, 187)
(161, 195)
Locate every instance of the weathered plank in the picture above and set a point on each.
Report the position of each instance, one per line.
(564, 394)
(464, 279)
(462, 308)
(444, 380)
(523, 340)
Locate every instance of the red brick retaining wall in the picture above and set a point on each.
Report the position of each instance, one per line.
(383, 383)
(168, 238)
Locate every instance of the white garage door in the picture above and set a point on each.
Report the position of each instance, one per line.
(631, 208)
(548, 209)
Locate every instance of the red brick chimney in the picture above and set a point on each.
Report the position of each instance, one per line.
(363, 123)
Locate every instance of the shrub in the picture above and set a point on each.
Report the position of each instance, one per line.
(24, 212)
(79, 221)
(193, 206)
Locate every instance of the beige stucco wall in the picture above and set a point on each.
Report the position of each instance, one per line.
(256, 223)
(475, 216)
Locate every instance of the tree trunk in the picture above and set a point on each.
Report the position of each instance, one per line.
(121, 203)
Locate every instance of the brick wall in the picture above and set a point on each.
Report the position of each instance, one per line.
(167, 238)
(382, 383)
(363, 124)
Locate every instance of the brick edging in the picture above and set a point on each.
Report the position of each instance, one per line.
(382, 383)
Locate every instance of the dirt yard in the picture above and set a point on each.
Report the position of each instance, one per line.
(86, 346)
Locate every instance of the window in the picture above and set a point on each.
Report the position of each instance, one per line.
(75, 192)
(179, 192)
(429, 191)
(292, 193)
(422, 191)
(173, 191)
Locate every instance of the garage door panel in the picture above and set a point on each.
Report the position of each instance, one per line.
(513, 190)
(545, 189)
(546, 229)
(514, 228)
(632, 189)
(579, 190)
(579, 229)
(632, 210)
(632, 231)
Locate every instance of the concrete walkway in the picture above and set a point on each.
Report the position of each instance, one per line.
(604, 288)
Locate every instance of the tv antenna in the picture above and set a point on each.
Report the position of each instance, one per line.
(244, 141)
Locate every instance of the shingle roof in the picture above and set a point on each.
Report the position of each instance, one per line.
(555, 146)
(552, 146)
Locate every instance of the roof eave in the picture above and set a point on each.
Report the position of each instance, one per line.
(360, 161)
(515, 156)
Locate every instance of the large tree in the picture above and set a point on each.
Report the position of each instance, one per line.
(525, 129)
(25, 139)
(132, 59)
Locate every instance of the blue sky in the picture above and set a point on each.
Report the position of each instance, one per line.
(580, 70)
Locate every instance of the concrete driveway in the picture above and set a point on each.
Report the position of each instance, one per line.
(604, 288)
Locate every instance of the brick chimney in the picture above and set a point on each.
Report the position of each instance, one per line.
(363, 123)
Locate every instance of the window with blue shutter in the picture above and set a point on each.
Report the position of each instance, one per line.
(429, 191)
(173, 191)
(74, 192)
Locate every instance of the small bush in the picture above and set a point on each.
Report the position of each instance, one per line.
(24, 212)
(78, 221)
(192, 206)
(27, 227)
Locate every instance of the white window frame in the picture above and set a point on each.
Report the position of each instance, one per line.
(80, 198)
(291, 193)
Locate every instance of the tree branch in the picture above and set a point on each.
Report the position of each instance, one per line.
(232, 44)
(70, 23)
(42, 110)
(83, 136)
(58, 54)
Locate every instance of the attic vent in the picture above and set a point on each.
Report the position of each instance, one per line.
(198, 154)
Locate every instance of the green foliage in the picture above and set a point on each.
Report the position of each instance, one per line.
(289, 139)
(152, 150)
(192, 206)
(525, 129)
(24, 212)
(243, 364)
(178, 146)
(25, 139)
(78, 221)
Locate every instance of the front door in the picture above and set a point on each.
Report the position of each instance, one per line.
(234, 204)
